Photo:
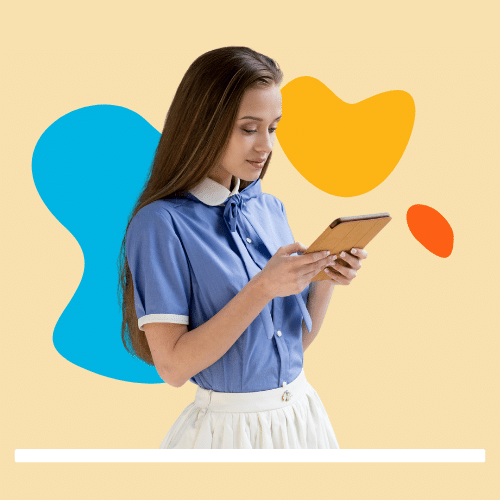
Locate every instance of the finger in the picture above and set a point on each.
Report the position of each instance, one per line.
(309, 259)
(359, 253)
(335, 276)
(301, 248)
(297, 246)
(338, 278)
(354, 262)
(314, 268)
(346, 271)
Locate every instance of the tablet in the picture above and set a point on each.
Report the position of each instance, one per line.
(345, 233)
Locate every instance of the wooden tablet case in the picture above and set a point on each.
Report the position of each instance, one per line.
(345, 233)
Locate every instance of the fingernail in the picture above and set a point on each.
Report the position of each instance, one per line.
(342, 254)
(353, 250)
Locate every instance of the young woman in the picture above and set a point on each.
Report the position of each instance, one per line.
(211, 291)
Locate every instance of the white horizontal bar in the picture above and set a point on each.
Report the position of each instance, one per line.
(257, 455)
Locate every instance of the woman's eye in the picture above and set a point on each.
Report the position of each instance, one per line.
(252, 131)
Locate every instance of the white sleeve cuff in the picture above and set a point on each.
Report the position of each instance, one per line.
(163, 318)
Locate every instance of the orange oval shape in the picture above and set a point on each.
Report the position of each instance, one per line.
(431, 229)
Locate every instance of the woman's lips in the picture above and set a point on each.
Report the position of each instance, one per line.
(256, 165)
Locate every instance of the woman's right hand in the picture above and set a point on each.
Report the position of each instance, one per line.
(287, 274)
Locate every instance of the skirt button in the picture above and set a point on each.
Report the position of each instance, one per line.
(286, 396)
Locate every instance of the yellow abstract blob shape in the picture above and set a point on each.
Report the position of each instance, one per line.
(343, 149)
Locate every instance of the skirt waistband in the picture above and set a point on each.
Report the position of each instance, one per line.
(252, 401)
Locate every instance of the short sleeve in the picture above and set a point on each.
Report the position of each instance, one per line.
(159, 268)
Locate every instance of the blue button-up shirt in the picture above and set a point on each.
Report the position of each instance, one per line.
(190, 255)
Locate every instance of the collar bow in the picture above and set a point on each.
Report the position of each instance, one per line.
(232, 211)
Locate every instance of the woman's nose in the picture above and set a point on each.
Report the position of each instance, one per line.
(265, 144)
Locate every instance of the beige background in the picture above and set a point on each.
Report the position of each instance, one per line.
(407, 356)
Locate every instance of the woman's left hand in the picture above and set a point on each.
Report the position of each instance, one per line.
(347, 274)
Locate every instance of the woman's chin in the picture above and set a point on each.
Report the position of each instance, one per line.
(251, 176)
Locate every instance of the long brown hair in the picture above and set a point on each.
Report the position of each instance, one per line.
(196, 132)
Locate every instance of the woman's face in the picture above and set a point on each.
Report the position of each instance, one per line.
(252, 137)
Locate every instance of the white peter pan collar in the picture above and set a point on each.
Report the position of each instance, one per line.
(212, 193)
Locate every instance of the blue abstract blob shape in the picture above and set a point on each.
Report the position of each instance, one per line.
(89, 168)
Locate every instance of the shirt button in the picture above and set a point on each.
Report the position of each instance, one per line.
(249, 240)
(279, 333)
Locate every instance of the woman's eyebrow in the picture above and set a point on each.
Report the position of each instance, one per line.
(260, 119)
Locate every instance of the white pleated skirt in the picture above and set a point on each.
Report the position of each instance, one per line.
(292, 416)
